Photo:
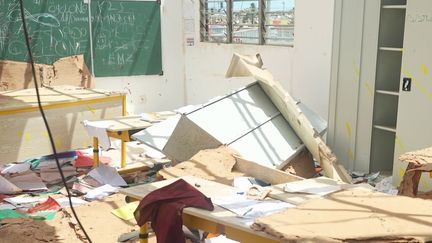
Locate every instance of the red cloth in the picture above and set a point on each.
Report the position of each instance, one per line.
(164, 206)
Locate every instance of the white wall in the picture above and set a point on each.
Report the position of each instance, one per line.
(303, 70)
(194, 74)
(312, 53)
(206, 63)
(155, 93)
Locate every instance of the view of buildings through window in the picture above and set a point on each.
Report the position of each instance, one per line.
(251, 22)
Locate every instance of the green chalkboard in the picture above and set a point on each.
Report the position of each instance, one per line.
(126, 35)
(126, 38)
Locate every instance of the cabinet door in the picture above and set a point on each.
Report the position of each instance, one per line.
(414, 119)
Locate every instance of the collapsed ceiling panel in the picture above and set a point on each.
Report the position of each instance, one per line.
(272, 144)
(230, 117)
(246, 120)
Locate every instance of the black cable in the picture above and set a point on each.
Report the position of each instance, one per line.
(45, 119)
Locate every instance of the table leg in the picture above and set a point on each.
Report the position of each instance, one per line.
(95, 152)
(143, 235)
(123, 154)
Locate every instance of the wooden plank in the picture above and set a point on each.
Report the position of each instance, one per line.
(22, 99)
(272, 176)
(125, 123)
(299, 122)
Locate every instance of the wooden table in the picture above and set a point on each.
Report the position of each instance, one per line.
(121, 128)
(23, 132)
(219, 220)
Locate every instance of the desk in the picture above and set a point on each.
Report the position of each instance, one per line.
(219, 220)
(23, 132)
(121, 128)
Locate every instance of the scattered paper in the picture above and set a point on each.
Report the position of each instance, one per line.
(126, 212)
(107, 175)
(52, 164)
(83, 160)
(372, 177)
(43, 215)
(6, 206)
(10, 214)
(244, 182)
(386, 186)
(17, 201)
(64, 202)
(16, 168)
(52, 175)
(220, 239)
(81, 187)
(91, 182)
(249, 208)
(98, 129)
(311, 186)
(50, 204)
(7, 187)
(28, 182)
(100, 192)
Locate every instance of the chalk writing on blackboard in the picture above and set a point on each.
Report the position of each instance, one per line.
(126, 35)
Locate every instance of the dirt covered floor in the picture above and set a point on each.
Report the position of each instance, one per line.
(96, 217)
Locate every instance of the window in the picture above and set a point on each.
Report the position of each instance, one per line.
(245, 21)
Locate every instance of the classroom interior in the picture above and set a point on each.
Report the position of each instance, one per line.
(215, 121)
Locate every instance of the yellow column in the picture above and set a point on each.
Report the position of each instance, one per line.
(124, 112)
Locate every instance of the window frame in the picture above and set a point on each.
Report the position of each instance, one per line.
(204, 25)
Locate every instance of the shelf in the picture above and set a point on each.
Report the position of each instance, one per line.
(393, 2)
(388, 70)
(387, 82)
(386, 128)
(382, 150)
(392, 27)
(391, 49)
(385, 110)
(387, 92)
(394, 6)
